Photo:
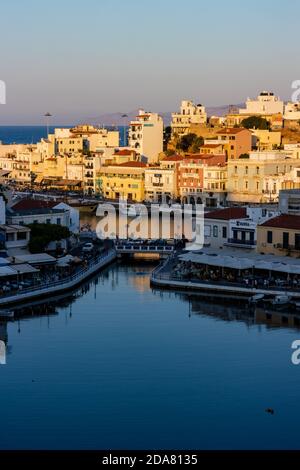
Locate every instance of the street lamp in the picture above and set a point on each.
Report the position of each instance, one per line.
(47, 116)
(124, 116)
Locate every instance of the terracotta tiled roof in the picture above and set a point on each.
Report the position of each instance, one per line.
(228, 213)
(173, 158)
(232, 130)
(133, 164)
(124, 152)
(28, 204)
(284, 221)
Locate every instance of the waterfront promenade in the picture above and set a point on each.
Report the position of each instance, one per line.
(163, 276)
(50, 288)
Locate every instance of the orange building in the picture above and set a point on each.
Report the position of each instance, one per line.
(235, 141)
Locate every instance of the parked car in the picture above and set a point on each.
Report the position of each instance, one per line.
(87, 247)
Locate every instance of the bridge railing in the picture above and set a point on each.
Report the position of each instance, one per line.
(144, 248)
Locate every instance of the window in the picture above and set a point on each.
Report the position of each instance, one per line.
(207, 231)
(246, 170)
(235, 170)
(246, 184)
(285, 239)
(257, 185)
(215, 231)
(224, 232)
(297, 241)
(48, 221)
(269, 236)
(257, 170)
(21, 236)
(58, 221)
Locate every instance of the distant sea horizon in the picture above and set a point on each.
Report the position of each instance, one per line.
(33, 134)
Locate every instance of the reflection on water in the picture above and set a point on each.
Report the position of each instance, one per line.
(117, 364)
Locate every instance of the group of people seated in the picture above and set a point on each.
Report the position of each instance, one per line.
(187, 270)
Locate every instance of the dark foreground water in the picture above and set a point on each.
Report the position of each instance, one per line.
(122, 366)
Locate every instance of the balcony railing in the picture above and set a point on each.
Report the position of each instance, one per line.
(237, 241)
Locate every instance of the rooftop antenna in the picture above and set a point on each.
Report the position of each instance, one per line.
(48, 116)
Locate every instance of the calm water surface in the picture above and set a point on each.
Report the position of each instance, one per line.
(122, 366)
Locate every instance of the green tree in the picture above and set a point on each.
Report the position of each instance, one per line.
(189, 142)
(255, 122)
(42, 234)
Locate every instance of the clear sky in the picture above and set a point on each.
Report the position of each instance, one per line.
(81, 59)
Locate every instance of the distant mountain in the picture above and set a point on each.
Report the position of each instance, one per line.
(117, 119)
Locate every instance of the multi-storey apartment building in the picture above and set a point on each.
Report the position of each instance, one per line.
(188, 115)
(265, 103)
(256, 179)
(160, 184)
(123, 181)
(202, 179)
(235, 141)
(146, 135)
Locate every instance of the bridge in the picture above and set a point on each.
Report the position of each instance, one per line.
(144, 248)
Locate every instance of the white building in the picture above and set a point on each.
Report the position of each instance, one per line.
(74, 219)
(234, 227)
(265, 103)
(14, 237)
(289, 201)
(292, 111)
(103, 138)
(146, 135)
(2, 211)
(160, 184)
(190, 113)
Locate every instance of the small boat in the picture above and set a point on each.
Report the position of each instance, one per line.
(281, 300)
(6, 314)
(256, 298)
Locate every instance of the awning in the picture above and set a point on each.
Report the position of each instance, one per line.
(220, 261)
(65, 261)
(39, 179)
(236, 262)
(24, 269)
(38, 258)
(4, 172)
(7, 271)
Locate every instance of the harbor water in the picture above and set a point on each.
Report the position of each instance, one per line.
(120, 365)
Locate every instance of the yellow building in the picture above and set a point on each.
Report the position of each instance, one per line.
(266, 140)
(124, 181)
(248, 177)
(280, 236)
(103, 138)
(68, 145)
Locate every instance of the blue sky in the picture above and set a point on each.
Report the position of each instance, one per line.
(83, 58)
